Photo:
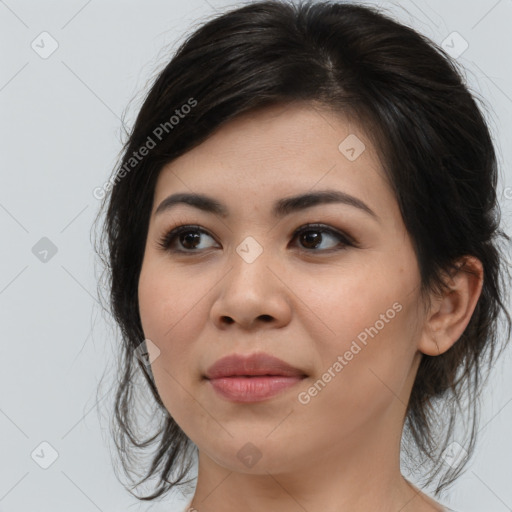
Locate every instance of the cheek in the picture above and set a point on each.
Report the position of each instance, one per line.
(357, 301)
(172, 316)
(168, 303)
(368, 356)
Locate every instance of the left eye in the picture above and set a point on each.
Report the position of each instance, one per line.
(311, 236)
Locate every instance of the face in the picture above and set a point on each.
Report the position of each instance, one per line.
(330, 288)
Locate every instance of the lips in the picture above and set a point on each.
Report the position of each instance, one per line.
(251, 366)
(253, 378)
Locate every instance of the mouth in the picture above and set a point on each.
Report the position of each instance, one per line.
(252, 378)
(254, 365)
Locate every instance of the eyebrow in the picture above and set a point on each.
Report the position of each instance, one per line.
(281, 208)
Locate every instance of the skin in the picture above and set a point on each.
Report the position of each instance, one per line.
(301, 303)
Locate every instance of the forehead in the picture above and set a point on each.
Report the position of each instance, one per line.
(278, 151)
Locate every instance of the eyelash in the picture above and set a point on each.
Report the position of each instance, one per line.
(167, 239)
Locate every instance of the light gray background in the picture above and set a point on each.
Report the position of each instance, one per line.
(60, 136)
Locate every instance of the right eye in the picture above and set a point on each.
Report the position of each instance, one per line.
(187, 236)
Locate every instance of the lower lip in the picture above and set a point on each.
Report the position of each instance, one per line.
(252, 389)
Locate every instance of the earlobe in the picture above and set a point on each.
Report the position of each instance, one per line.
(450, 314)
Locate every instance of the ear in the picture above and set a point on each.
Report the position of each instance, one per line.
(450, 314)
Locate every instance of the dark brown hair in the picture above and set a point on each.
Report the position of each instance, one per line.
(437, 152)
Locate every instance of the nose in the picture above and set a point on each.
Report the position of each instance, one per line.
(253, 293)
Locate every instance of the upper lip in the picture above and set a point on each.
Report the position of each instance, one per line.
(254, 364)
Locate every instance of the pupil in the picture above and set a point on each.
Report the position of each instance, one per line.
(311, 238)
(191, 237)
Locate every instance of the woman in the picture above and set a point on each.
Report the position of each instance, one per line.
(303, 253)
